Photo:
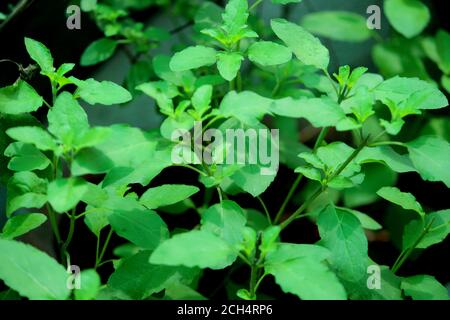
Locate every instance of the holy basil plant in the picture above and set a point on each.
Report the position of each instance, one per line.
(235, 74)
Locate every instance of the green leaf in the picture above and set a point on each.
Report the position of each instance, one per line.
(300, 269)
(386, 155)
(439, 229)
(201, 99)
(443, 50)
(399, 89)
(237, 105)
(64, 194)
(142, 227)
(105, 92)
(430, 155)
(25, 190)
(228, 64)
(321, 112)
(235, 16)
(33, 135)
(90, 285)
(22, 224)
(267, 53)
(251, 180)
(166, 195)
(305, 46)
(67, 120)
(408, 17)
(424, 287)
(139, 279)
(193, 58)
(209, 251)
(98, 51)
(88, 5)
(366, 221)
(31, 272)
(40, 53)
(338, 25)
(19, 98)
(25, 157)
(404, 199)
(343, 235)
(226, 220)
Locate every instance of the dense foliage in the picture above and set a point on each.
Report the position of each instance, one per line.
(233, 73)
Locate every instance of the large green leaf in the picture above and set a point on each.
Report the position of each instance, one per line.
(193, 58)
(430, 155)
(409, 17)
(104, 92)
(305, 46)
(342, 233)
(19, 98)
(226, 220)
(194, 249)
(229, 64)
(301, 270)
(337, 25)
(31, 272)
(67, 120)
(142, 227)
(386, 155)
(424, 287)
(321, 112)
(166, 195)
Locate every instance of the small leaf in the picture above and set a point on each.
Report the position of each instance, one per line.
(229, 64)
(193, 58)
(166, 195)
(64, 194)
(19, 98)
(40, 53)
(33, 135)
(22, 224)
(98, 51)
(90, 285)
(209, 251)
(267, 53)
(25, 157)
(404, 199)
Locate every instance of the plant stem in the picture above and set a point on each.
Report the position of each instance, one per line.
(253, 280)
(105, 246)
(406, 253)
(192, 168)
(253, 6)
(54, 224)
(388, 143)
(69, 235)
(320, 190)
(294, 186)
(265, 209)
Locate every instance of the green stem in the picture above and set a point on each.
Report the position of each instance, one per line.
(322, 189)
(388, 143)
(70, 234)
(253, 6)
(323, 133)
(100, 256)
(54, 224)
(192, 168)
(406, 253)
(263, 205)
(253, 280)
